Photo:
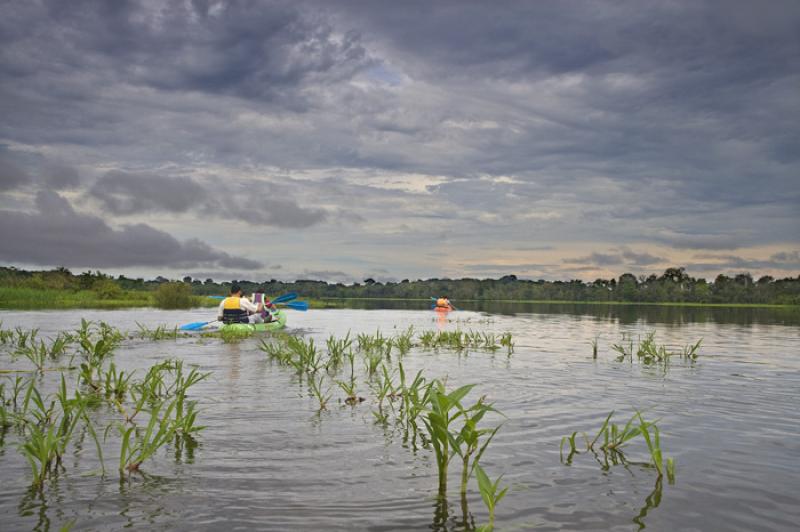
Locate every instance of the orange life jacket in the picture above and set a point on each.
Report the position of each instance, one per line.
(442, 302)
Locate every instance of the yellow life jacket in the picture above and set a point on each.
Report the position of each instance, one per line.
(232, 312)
(231, 303)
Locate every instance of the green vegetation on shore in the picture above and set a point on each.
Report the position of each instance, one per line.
(20, 289)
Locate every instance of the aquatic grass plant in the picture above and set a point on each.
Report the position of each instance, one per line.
(461, 340)
(648, 352)
(337, 348)
(233, 336)
(115, 383)
(319, 391)
(383, 386)
(305, 355)
(613, 438)
(442, 410)
(468, 444)
(404, 340)
(137, 446)
(372, 360)
(170, 413)
(48, 431)
(160, 332)
(507, 341)
(368, 342)
(490, 493)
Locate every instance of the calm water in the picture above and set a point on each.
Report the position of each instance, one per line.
(267, 461)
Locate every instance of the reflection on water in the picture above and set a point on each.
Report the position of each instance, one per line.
(269, 459)
(622, 313)
(651, 502)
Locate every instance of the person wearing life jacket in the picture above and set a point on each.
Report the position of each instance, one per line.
(269, 308)
(443, 302)
(238, 309)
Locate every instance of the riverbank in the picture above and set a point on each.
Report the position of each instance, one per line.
(32, 299)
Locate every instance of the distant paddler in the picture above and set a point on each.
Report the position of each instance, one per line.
(443, 304)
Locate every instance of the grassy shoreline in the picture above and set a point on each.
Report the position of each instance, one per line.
(48, 299)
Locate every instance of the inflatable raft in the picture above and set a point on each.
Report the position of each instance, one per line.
(278, 323)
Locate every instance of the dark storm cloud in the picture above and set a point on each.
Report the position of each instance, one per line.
(128, 193)
(621, 256)
(58, 235)
(60, 176)
(785, 260)
(258, 203)
(252, 49)
(11, 175)
(20, 169)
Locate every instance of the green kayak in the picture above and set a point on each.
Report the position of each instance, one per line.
(278, 323)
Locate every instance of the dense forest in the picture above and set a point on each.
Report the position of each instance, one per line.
(674, 286)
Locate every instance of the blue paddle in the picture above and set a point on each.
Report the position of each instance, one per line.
(279, 299)
(297, 305)
(195, 326)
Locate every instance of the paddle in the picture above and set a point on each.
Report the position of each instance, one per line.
(296, 305)
(195, 326)
(279, 299)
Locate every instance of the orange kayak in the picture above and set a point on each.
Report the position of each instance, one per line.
(442, 309)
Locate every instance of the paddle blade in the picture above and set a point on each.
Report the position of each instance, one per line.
(297, 305)
(194, 326)
(216, 297)
(285, 297)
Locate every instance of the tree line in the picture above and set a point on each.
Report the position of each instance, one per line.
(674, 285)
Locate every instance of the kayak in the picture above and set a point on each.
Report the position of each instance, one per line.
(278, 323)
(442, 309)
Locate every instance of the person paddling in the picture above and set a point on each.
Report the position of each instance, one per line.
(443, 302)
(238, 309)
(269, 308)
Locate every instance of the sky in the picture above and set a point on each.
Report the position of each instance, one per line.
(341, 140)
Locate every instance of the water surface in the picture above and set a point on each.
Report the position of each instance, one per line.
(268, 460)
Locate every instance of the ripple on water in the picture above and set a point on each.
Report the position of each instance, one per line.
(267, 460)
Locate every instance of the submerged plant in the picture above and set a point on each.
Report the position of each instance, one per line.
(467, 443)
(648, 352)
(322, 394)
(613, 438)
(490, 494)
(443, 409)
(138, 446)
(161, 332)
(337, 348)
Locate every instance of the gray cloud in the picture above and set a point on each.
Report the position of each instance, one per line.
(11, 175)
(128, 193)
(785, 260)
(537, 124)
(58, 235)
(257, 203)
(60, 176)
(623, 255)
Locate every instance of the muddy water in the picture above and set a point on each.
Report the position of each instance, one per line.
(268, 460)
